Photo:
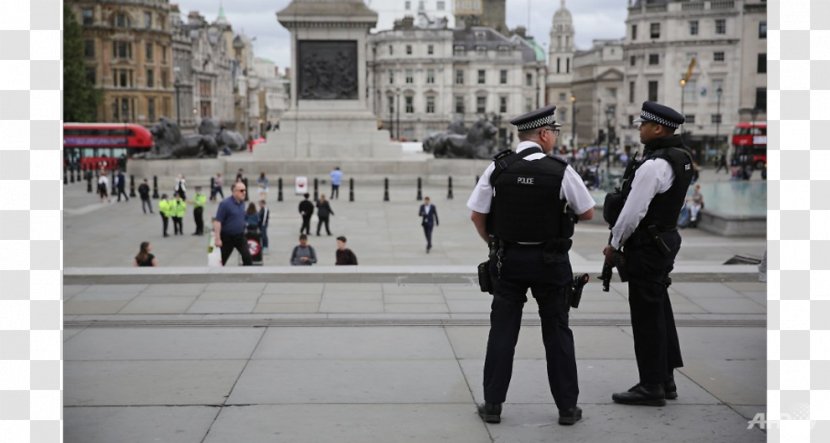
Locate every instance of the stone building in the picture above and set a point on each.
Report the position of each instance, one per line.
(425, 12)
(597, 91)
(129, 57)
(273, 94)
(420, 80)
(486, 13)
(560, 72)
(725, 83)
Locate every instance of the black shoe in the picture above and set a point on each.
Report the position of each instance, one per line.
(166, 235)
(490, 412)
(671, 388)
(643, 395)
(570, 416)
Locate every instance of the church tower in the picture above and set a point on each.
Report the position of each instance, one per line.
(560, 69)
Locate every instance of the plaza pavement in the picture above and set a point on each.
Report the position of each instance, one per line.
(389, 351)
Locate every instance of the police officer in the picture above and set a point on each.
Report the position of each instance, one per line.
(164, 210)
(646, 230)
(199, 201)
(519, 208)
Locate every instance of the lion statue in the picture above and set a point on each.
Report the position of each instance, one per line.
(223, 137)
(478, 142)
(168, 142)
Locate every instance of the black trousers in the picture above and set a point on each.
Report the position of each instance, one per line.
(164, 224)
(200, 222)
(306, 225)
(120, 193)
(146, 202)
(525, 267)
(238, 242)
(177, 225)
(428, 233)
(320, 222)
(335, 191)
(656, 345)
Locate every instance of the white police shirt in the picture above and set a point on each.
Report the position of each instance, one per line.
(573, 189)
(654, 176)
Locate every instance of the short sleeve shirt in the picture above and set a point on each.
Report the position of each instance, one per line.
(232, 216)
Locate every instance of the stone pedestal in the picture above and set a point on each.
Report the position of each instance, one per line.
(329, 116)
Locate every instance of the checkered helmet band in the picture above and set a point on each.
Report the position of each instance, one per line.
(645, 115)
(538, 123)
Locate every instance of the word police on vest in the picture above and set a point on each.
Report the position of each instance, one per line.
(525, 180)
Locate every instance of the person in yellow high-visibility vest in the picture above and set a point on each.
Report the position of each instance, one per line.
(178, 211)
(199, 201)
(164, 210)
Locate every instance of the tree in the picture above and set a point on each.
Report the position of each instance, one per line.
(80, 98)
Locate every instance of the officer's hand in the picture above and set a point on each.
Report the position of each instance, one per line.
(218, 242)
(608, 251)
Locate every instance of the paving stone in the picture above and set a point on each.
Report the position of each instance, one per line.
(158, 305)
(286, 308)
(221, 307)
(183, 424)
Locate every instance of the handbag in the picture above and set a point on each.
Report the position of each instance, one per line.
(214, 254)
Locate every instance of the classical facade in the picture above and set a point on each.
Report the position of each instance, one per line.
(486, 13)
(425, 12)
(597, 92)
(129, 57)
(274, 92)
(420, 80)
(701, 57)
(560, 72)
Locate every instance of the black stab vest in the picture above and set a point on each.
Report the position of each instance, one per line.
(526, 203)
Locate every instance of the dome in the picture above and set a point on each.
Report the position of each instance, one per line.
(562, 15)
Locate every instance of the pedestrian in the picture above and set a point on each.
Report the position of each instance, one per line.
(306, 209)
(262, 183)
(144, 257)
(529, 232)
(199, 201)
(251, 218)
(429, 219)
(120, 183)
(164, 209)
(217, 187)
(229, 225)
(181, 187)
(303, 254)
(103, 184)
(264, 219)
(344, 255)
(695, 206)
(722, 164)
(144, 193)
(178, 211)
(239, 176)
(336, 177)
(646, 232)
(323, 213)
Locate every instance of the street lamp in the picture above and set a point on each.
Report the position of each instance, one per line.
(398, 113)
(682, 103)
(177, 85)
(718, 92)
(573, 122)
(609, 114)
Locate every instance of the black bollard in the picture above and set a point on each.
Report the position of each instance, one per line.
(245, 180)
(65, 176)
(316, 193)
(71, 173)
(351, 189)
(419, 196)
(385, 189)
(449, 189)
(132, 186)
(155, 187)
(88, 180)
(279, 189)
(212, 185)
(476, 181)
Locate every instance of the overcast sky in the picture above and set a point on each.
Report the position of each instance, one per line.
(593, 19)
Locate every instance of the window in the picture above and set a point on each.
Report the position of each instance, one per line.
(762, 29)
(165, 74)
(631, 90)
(568, 65)
(481, 104)
(122, 78)
(421, 5)
(90, 75)
(408, 104)
(430, 76)
(503, 104)
(716, 84)
(148, 52)
(204, 88)
(408, 49)
(148, 24)
(459, 104)
(391, 50)
(630, 120)
(655, 30)
(163, 55)
(151, 109)
(89, 48)
(693, 27)
(407, 5)
(762, 63)
(121, 20)
(632, 60)
(503, 77)
(87, 17)
(439, 5)
(459, 50)
(690, 91)
(761, 99)
(409, 76)
(204, 109)
(716, 118)
(690, 119)
(719, 56)
(563, 115)
(459, 77)
(558, 65)
(390, 102)
(481, 76)
(150, 78)
(122, 50)
(430, 104)
(391, 77)
(720, 26)
(562, 97)
(633, 32)
(529, 79)
(654, 59)
(652, 91)
(430, 49)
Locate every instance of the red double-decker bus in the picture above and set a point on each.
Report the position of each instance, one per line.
(750, 139)
(100, 145)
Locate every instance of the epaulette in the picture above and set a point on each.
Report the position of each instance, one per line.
(503, 154)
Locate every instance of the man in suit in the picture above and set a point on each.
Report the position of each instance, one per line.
(429, 219)
(306, 210)
(120, 183)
